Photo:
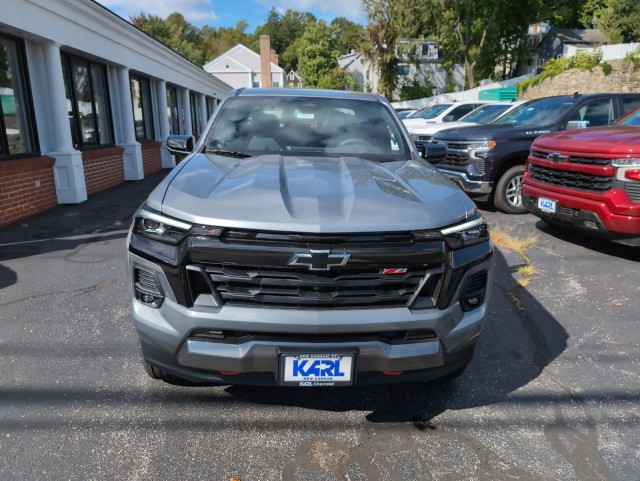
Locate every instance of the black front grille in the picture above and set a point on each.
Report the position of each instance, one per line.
(574, 180)
(571, 159)
(348, 286)
(297, 240)
(241, 337)
(458, 157)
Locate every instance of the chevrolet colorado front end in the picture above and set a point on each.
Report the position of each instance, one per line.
(303, 241)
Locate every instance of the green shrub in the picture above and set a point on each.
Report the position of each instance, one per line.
(555, 66)
(634, 57)
(606, 68)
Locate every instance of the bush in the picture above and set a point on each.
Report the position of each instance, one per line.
(555, 66)
(634, 57)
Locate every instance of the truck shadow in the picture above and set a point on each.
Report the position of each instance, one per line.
(520, 339)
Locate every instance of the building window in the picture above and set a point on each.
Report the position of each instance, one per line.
(403, 69)
(17, 132)
(87, 102)
(195, 118)
(172, 110)
(275, 84)
(256, 85)
(211, 106)
(142, 109)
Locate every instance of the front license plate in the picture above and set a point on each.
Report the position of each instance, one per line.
(547, 205)
(309, 370)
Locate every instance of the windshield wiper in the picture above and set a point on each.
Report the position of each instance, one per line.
(229, 153)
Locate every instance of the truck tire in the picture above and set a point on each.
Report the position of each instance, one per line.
(507, 196)
(157, 373)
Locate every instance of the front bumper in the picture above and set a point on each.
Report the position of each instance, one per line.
(469, 185)
(166, 335)
(593, 213)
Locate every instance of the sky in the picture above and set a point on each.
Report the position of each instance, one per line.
(227, 13)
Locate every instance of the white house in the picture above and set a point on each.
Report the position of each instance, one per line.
(429, 67)
(241, 67)
(88, 101)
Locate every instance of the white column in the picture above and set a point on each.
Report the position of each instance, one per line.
(132, 156)
(168, 160)
(203, 113)
(186, 112)
(68, 171)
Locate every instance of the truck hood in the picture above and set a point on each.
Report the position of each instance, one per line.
(614, 139)
(494, 131)
(311, 194)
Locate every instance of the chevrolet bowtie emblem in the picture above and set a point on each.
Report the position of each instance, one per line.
(556, 157)
(319, 260)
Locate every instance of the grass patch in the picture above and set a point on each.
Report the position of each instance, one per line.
(508, 240)
(526, 270)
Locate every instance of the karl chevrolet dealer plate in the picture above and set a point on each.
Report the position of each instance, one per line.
(309, 370)
(547, 205)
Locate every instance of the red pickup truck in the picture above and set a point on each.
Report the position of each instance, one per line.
(588, 179)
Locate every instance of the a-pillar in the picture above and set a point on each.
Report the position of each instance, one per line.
(132, 156)
(168, 160)
(68, 171)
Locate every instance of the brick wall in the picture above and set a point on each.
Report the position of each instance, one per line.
(624, 78)
(103, 168)
(151, 161)
(26, 188)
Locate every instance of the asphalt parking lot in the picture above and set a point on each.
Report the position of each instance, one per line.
(553, 392)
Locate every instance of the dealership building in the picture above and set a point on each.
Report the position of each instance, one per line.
(87, 102)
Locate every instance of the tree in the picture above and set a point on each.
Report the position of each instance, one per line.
(350, 36)
(416, 89)
(389, 22)
(619, 20)
(174, 32)
(284, 31)
(317, 53)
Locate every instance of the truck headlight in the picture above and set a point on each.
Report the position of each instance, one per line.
(625, 162)
(150, 223)
(458, 236)
(467, 233)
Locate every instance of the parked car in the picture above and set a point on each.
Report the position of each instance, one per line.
(588, 180)
(485, 114)
(439, 113)
(304, 242)
(487, 161)
(405, 113)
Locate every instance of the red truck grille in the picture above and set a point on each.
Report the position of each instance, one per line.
(571, 179)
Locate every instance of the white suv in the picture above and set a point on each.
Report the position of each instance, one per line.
(482, 115)
(439, 113)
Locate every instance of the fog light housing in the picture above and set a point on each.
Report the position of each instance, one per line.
(147, 288)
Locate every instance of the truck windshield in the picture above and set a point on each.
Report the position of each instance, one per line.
(430, 112)
(485, 113)
(632, 120)
(538, 112)
(263, 124)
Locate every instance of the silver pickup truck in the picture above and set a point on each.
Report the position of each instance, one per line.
(303, 241)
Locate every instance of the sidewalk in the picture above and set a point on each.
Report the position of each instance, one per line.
(103, 213)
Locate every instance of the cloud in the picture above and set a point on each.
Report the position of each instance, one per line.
(194, 11)
(350, 9)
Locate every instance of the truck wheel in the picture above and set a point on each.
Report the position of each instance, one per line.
(507, 197)
(157, 373)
